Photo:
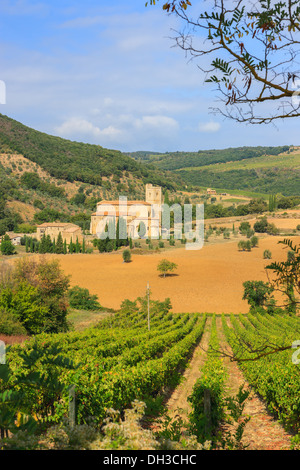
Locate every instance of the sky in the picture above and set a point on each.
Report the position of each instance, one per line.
(106, 72)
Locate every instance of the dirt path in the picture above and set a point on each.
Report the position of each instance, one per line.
(262, 432)
(178, 399)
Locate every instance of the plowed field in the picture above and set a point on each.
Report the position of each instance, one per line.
(210, 279)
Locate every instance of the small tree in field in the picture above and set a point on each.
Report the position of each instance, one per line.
(165, 267)
(126, 256)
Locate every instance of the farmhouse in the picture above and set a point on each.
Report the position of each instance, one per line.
(15, 238)
(68, 231)
(133, 212)
(211, 191)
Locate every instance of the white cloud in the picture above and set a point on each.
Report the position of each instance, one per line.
(78, 128)
(161, 123)
(210, 126)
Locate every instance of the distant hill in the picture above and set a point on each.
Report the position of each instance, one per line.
(47, 178)
(259, 169)
(76, 161)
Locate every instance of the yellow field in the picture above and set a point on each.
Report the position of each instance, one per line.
(210, 279)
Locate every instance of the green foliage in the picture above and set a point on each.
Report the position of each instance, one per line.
(73, 161)
(254, 241)
(33, 181)
(126, 256)
(59, 246)
(35, 295)
(212, 380)
(259, 294)
(113, 364)
(25, 303)
(9, 325)
(244, 245)
(180, 160)
(244, 227)
(261, 225)
(165, 266)
(25, 228)
(81, 298)
(267, 364)
(287, 275)
(6, 246)
(30, 391)
(267, 254)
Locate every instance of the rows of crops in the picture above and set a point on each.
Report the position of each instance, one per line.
(274, 375)
(118, 361)
(213, 378)
(121, 360)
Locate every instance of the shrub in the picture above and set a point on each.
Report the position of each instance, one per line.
(272, 229)
(254, 241)
(244, 227)
(6, 247)
(9, 325)
(36, 293)
(126, 256)
(244, 245)
(80, 298)
(250, 233)
(267, 254)
(261, 225)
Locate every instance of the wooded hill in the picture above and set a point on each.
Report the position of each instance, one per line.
(45, 178)
(76, 161)
(259, 169)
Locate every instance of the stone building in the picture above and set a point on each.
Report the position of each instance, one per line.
(15, 238)
(211, 191)
(133, 212)
(68, 231)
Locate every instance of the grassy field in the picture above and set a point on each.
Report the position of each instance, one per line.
(284, 160)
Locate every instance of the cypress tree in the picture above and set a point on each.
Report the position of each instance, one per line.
(77, 246)
(59, 249)
(48, 245)
(43, 245)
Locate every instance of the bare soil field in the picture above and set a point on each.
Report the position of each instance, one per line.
(210, 279)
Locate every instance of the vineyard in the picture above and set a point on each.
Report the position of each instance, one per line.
(125, 358)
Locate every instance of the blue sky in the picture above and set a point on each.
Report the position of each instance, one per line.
(105, 72)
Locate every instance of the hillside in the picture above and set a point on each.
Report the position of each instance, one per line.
(259, 169)
(47, 178)
(76, 161)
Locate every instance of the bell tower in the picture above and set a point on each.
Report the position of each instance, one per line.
(153, 194)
